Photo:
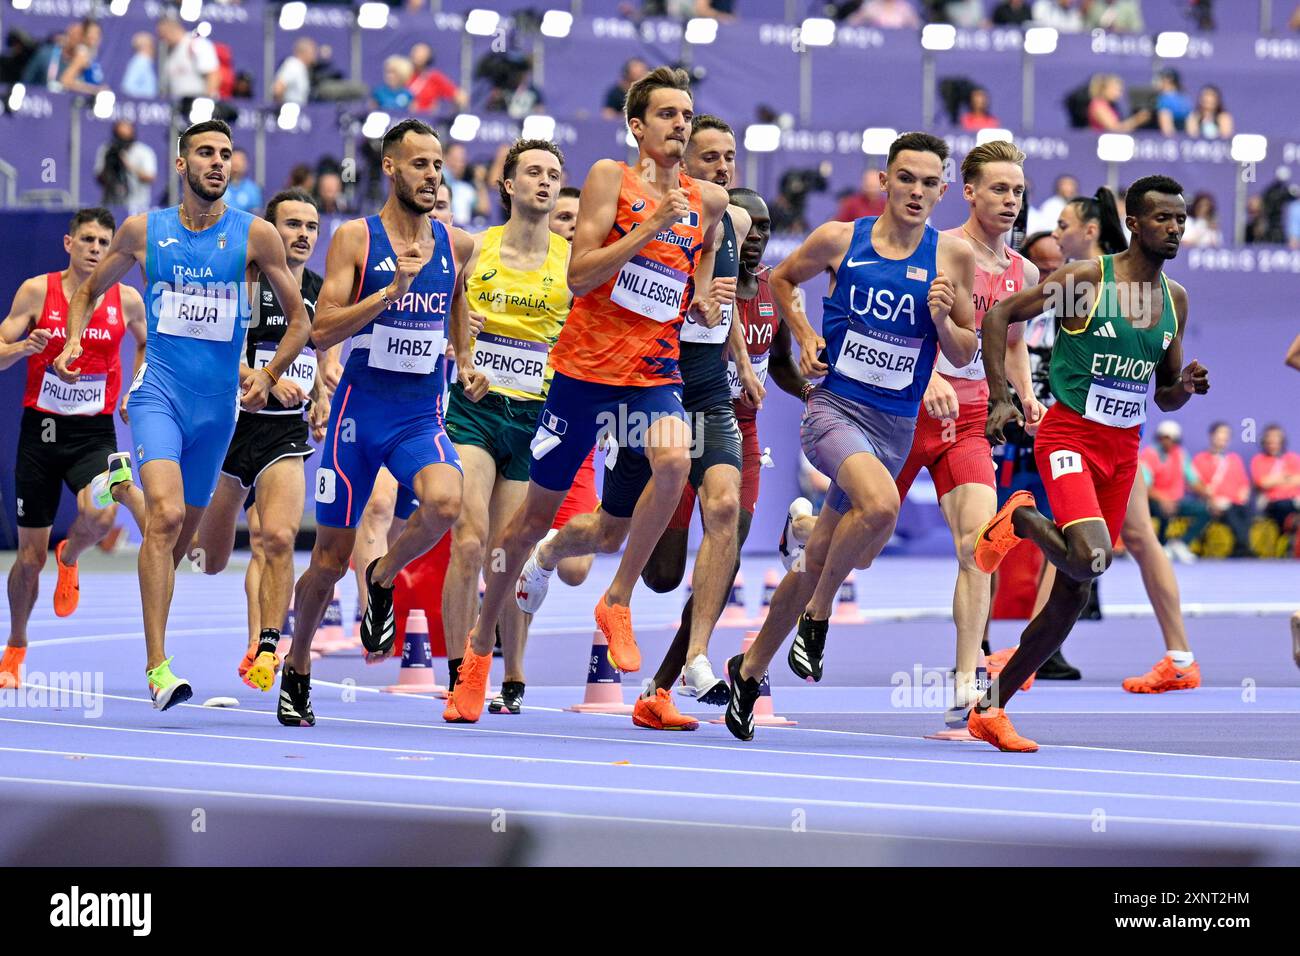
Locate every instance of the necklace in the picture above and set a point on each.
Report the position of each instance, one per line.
(986, 246)
(203, 215)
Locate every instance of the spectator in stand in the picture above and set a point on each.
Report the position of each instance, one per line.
(36, 71)
(79, 69)
(141, 77)
(1225, 486)
(512, 91)
(886, 15)
(1062, 14)
(329, 192)
(1210, 120)
(1113, 16)
(1012, 13)
(1169, 475)
(633, 70)
(1293, 224)
(724, 11)
(977, 115)
(1276, 474)
(1294, 22)
(293, 79)
(967, 14)
(125, 168)
(1203, 223)
(1105, 112)
(1173, 106)
(394, 93)
(1258, 228)
(1043, 218)
(242, 193)
(191, 68)
(430, 87)
(469, 195)
(302, 177)
(869, 200)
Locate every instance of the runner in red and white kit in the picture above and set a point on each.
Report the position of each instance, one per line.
(949, 439)
(67, 432)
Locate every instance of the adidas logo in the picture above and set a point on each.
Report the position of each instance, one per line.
(387, 265)
(1106, 331)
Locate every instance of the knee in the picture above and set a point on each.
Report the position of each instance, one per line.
(1089, 562)
(722, 512)
(276, 543)
(876, 516)
(673, 466)
(966, 554)
(442, 509)
(610, 535)
(331, 560)
(165, 520)
(31, 558)
(469, 542)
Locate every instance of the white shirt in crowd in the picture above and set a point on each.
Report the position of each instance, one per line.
(295, 76)
(188, 65)
(1043, 218)
(140, 160)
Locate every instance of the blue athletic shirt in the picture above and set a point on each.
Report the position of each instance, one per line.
(195, 300)
(880, 338)
(399, 353)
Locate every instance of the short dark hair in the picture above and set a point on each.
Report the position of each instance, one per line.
(207, 126)
(570, 192)
(393, 138)
(1215, 426)
(1135, 202)
(920, 143)
(663, 78)
(1033, 237)
(743, 192)
(511, 163)
(95, 214)
(709, 121)
(289, 195)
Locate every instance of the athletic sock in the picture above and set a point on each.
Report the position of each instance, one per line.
(269, 640)
(1181, 658)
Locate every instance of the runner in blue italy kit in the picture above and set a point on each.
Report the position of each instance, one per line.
(196, 260)
(393, 287)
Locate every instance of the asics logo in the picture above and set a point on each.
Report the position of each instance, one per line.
(169, 241)
(865, 262)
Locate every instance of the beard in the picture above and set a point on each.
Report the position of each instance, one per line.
(202, 190)
(410, 200)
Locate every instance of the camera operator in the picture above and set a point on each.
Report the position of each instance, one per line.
(125, 168)
(796, 184)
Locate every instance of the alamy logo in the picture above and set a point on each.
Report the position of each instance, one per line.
(1106, 331)
(387, 265)
(74, 909)
(169, 241)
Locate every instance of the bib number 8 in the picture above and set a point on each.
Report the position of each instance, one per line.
(325, 485)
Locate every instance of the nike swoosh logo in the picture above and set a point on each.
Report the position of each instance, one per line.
(169, 241)
(865, 262)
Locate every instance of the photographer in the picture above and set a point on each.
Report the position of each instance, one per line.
(796, 184)
(125, 168)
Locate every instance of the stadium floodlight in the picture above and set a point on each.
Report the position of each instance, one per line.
(1172, 44)
(876, 140)
(701, 30)
(465, 127)
(538, 127)
(1249, 148)
(118, 7)
(201, 109)
(557, 23)
(817, 31)
(288, 118)
(994, 135)
(1115, 147)
(104, 103)
(191, 9)
(293, 16)
(375, 126)
(16, 96)
(204, 29)
(372, 16)
(1041, 41)
(762, 137)
(482, 23)
(937, 37)
(22, 4)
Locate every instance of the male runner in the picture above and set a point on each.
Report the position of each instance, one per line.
(949, 440)
(515, 279)
(392, 285)
(646, 232)
(564, 217)
(715, 464)
(900, 292)
(196, 258)
(1122, 321)
(67, 433)
(269, 447)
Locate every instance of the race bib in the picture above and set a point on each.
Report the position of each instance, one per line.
(650, 288)
(973, 370)
(1116, 402)
(83, 397)
(1065, 462)
(760, 371)
(693, 331)
(415, 351)
(879, 358)
(194, 315)
(511, 363)
(301, 371)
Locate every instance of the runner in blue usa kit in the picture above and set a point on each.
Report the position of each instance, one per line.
(185, 398)
(900, 292)
(393, 287)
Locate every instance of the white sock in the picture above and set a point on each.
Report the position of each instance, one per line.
(1181, 658)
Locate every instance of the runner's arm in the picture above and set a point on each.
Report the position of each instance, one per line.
(955, 260)
(1019, 374)
(781, 367)
(126, 249)
(23, 314)
(475, 382)
(823, 249)
(1174, 383)
(337, 315)
(267, 250)
(138, 325)
(1293, 353)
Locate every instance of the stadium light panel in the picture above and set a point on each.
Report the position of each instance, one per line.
(538, 127)
(762, 137)
(118, 7)
(375, 126)
(877, 139)
(1249, 148)
(1171, 45)
(293, 16)
(22, 4)
(288, 118)
(482, 23)
(993, 135)
(104, 102)
(204, 29)
(465, 127)
(817, 31)
(372, 16)
(557, 23)
(1115, 147)
(1041, 41)
(191, 9)
(16, 96)
(201, 109)
(701, 30)
(938, 37)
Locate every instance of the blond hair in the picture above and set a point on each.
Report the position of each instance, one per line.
(994, 151)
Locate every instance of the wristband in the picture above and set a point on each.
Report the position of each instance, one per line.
(806, 391)
(274, 380)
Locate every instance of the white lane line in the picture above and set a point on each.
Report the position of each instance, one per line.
(675, 768)
(697, 795)
(123, 636)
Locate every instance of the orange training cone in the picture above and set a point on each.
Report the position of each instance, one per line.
(764, 715)
(771, 581)
(604, 683)
(329, 636)
(418, 675)
(733, 614)
(846, 603)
